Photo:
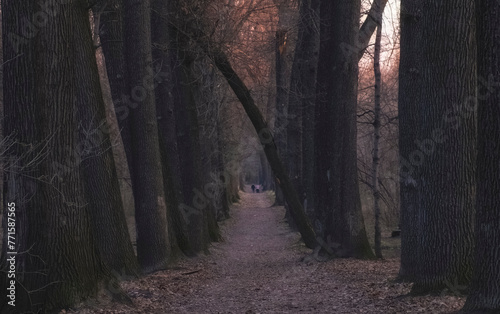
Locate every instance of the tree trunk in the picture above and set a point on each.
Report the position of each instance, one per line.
(376, 138)
(44, 179)
(484, 293)
(338, 200)
(369, 25)
(301, 103)
(281, 116)
(112, 42)
(447, 177)
(164, 63)
(195, 203)
(101, 180)
(410, 72)
(153, 248)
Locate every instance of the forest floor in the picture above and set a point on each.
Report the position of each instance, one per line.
(263, 267)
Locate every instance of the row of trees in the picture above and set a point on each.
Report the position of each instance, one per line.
(71, 231)
(173, 68)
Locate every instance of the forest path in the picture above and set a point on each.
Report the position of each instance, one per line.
(256, 270)
(260, 268)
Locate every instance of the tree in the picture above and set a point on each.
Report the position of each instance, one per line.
(300, 129)
(153, 248)
(376, 136)
(445, 146)
(410, 67)
(112, 42)
(165, 62)
(484, 293)
(338, 204)
(44, 180)
(282, 65)
(101, 180)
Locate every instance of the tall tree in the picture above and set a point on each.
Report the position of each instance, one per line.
(101, 180)
(112, 42)
(42, 85)
(164, 62)
(376, 135)
(446, 180)
(300, 129)
(338, 204)
(410, 68)
(484, 293)
(153, 246)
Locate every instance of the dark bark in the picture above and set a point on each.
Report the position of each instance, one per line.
(194, 205)
(49, 194)
(338, 203)
(447, 177)
(281, 117)
(410, 71)
(164, 63)
(112, 42)
(153, 248)
(300, 129)
(484, 293)
(101, 180)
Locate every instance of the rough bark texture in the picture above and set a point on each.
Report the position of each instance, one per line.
(410, 72)
(52, 215)
(447, 178)
(338, 200)
(101, 180)
(153, 248)
(484, 293)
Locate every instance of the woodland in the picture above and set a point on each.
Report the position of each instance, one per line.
(250, 156)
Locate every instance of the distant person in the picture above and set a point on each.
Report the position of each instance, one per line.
(257, 188)
(253, 188)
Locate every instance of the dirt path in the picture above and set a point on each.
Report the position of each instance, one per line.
(255, 270)
(260, 268)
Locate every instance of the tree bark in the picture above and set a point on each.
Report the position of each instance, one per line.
(194, 205)
(338, 201)
(447, 178)
(101, 180)
(44, 179)
(164, 63)
(300, 128)
(484, 293)
(409, 99)
(281, 116)
(153, 248)
(112, 42)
